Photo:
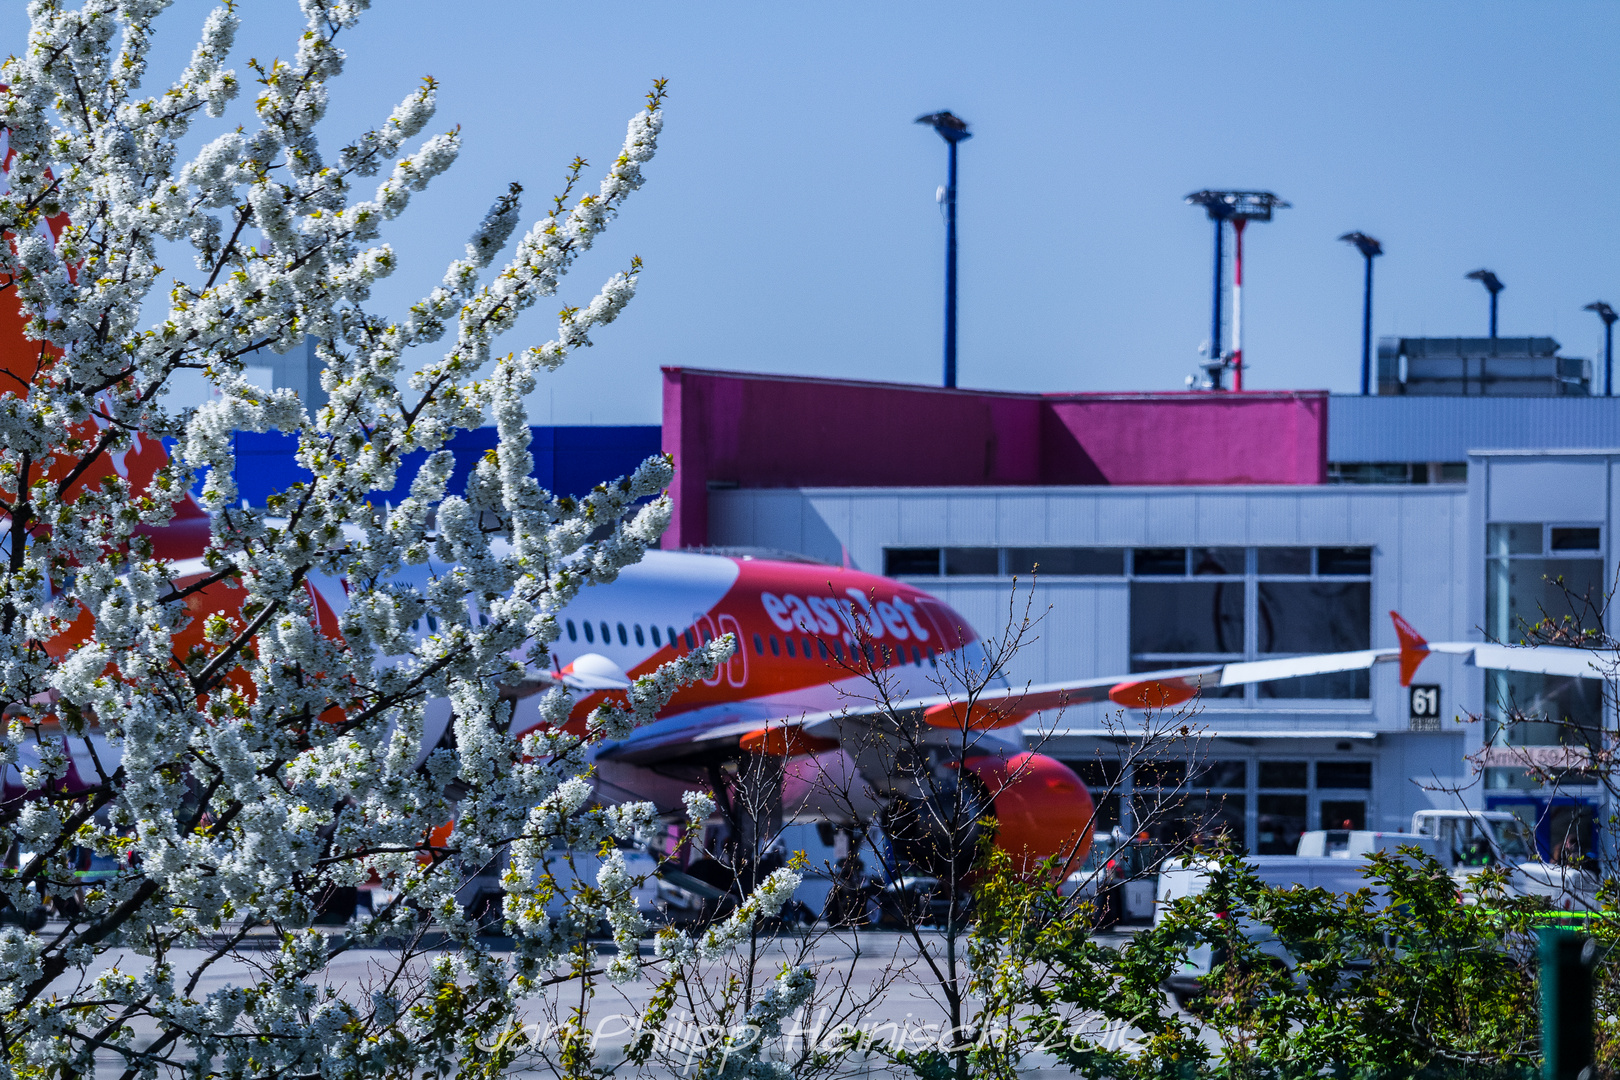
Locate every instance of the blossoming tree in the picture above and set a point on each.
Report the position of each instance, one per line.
(191, 714)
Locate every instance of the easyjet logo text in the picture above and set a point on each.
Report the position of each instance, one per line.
(857, 615)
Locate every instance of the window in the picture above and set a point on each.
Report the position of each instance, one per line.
(1284, 560)
(1283, 774)
(992, 562)
(1066, 561)
(1171, 562)
(911, 562)
(1280, 822)
(1574, 539)
(573, 635)
(624, 638)
(1397, 472)
(1168, 806)
(787, 643)
(1344, 814)
(1356, 560)
(672, 642)
(775, 649)
(1218, 561)
(607, 635)
(1220, 774)
(809, 650)
(1160, 774)
(759, 646)
(1536, 571)
(1102, 779)
(1193, 618)
(1194, 606)
(654, 631)
(640, 639)
(1199, 619)
(590, 635)
(690, 644)
(822, 644)
(975, 562)
(1344, 774)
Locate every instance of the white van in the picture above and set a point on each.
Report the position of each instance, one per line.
(1330, 859)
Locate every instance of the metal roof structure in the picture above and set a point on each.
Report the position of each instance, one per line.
(1422, 429)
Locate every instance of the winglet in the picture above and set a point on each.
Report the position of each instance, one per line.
(1413, 648)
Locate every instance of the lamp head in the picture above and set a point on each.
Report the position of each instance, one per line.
(951, 128)
(1364, 243)
(1238, 205)
(1492, 283)
(1604, 312)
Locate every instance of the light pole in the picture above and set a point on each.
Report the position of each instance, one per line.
(1240, 208)
(1493, 285)
(1606, 313)
(1369, 249)
(953, 129)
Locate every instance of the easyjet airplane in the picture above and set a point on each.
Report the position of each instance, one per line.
(814, 645)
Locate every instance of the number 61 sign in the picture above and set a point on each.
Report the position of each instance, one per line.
(1425, 702)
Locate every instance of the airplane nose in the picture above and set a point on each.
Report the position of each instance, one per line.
(593, 671)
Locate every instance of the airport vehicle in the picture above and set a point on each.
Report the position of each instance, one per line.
(1334, 860)
(1119, 876)
(1469, 841)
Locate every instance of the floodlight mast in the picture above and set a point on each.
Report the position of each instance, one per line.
(1370, 249)
(1240, 208)
(1606, 313)
(1493, 285)
(953, 129)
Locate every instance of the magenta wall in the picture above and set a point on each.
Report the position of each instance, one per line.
(1257, 437)
(742, 430)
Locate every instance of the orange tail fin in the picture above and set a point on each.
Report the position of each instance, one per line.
(1413, 648)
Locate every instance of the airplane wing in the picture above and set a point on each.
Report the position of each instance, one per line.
(1159, 689)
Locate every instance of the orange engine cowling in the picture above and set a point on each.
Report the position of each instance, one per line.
(1042, 808)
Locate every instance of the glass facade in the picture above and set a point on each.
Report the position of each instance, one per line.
(1192, 606)
(1264, 804)
(1544, 578)
(1204, 605)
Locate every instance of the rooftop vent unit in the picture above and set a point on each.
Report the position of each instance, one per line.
(1475, 367)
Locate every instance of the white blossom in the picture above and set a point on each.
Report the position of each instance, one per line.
(241, 731)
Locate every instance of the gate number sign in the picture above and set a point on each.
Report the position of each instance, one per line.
(1425, 702)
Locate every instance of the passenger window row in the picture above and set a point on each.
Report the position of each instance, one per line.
(811, 648)
(592, 629)
(808, 648)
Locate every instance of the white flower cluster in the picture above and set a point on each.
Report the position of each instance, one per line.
(766, 902)
(213, 730)
(740, 1054)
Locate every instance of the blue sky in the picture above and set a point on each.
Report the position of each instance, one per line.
(789, 222)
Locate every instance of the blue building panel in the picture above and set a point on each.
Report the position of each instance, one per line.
(568, 460)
